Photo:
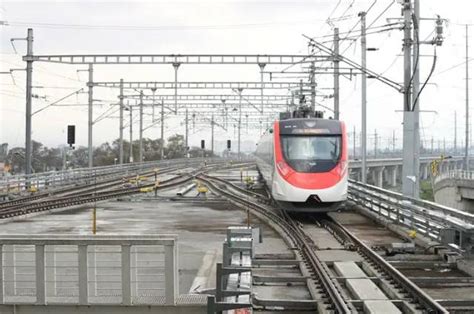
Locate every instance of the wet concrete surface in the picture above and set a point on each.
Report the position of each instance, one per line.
(199, 228)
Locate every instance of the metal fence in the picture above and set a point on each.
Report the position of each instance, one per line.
(427, 218)
(82, 270)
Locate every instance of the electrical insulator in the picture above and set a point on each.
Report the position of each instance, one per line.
(439, 32)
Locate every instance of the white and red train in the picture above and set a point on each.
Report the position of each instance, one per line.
(304, 163)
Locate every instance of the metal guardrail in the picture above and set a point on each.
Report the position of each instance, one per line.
(234, 274)
(82, 270)
(357, 163)
(18, 183)
(427, 218)
(455, 174)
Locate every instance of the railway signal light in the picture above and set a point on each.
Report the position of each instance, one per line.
(228, 144)
(203, 144)
(71, 134)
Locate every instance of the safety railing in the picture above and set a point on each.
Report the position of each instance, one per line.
(357, 163)
(427, 218)
(233, 275)
(82, 270)
(454, 174)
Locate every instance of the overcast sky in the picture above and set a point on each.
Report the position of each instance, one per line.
(228, 27)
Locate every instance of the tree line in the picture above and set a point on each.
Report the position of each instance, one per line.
(52, 158)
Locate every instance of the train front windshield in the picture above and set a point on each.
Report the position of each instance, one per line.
(305, 153)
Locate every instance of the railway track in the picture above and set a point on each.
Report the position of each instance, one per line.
(412, 298)
(85, 198)
(89, 196)
(83, 188)
(292, 233)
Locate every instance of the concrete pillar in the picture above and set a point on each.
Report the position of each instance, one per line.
(373, 175)
(379, 176)
(424, 172)
(393, 176)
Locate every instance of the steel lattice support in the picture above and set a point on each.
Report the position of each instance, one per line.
(182, 59)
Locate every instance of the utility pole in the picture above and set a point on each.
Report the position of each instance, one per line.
(363, 142)
(262, 67)
(466, 152)
(225, 113)
(354, 143)
(176, 66)
(313, 87)
(336, 71)
(393, 141)
(444, 145)
(130, 158)
(29, 82)
(239, 123)
(121, 123)
(410, 168)
(153, 106)
(90, 122)
(140, 152)
(432, 145)
(162, 153)
(375, 144)
(212, 135)
(416, 97)
(186, 132)
(455, 133)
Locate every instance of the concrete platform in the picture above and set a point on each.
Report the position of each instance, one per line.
(338, 256)
(349, 270)
(365, 289)
(377, 307)
(322, 238)
(365, 229)
(200, 229)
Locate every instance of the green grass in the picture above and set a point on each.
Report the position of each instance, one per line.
(426, 190)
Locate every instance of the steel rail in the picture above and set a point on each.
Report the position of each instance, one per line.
(86, 198)
(293, 232)
(80, 190)
(67, 201)
(416, 292)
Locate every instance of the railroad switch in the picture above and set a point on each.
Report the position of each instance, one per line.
(249, 181)
(147, 189)
(400, 248)
(202, 189)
